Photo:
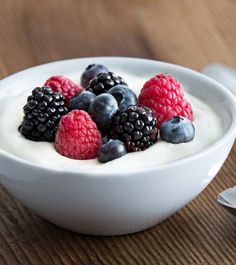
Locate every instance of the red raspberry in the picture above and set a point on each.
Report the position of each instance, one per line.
(163, 94)
(64, 85)
(77, 136)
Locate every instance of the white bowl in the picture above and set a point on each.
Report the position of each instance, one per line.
(119, 203)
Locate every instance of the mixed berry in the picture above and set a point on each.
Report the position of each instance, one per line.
(103, 82)
(91, 72)
(81, 101)
(63, 85)
(163, 94)
(177, 130)
(103, 118)
(77, 136)
(136, 127)
(111, 150)
(124, 96)
(103, 108)
(42, 113)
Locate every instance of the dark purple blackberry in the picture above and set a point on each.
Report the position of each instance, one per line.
(43, 111)
(136, 127)
(103, 82)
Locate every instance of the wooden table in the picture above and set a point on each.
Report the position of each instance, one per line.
(191, 33)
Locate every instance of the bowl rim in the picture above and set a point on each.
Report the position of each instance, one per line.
(228, 135)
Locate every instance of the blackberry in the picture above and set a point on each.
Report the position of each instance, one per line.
(136, 127)
(103, 82)
(43, 111)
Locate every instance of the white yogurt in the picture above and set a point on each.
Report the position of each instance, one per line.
(208, 129)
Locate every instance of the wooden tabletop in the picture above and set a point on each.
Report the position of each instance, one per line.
(190, 33)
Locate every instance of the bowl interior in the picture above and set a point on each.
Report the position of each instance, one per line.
(206, 89)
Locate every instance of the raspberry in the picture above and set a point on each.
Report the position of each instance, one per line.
(77, 136)
(163, 94)
(64, 85)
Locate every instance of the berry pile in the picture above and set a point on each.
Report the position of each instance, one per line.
(103, 118)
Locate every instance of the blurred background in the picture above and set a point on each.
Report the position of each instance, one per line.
(192, 33)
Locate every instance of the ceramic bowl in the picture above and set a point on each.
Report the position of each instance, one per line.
(118, 202)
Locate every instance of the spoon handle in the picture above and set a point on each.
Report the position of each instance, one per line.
(222, 74)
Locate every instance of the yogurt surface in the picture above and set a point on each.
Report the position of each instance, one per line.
(208, 129)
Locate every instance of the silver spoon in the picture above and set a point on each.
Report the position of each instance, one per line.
(222, 74)
(227, 199)
(227, 77)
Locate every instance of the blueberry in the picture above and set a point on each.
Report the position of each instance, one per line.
(111, 150)
(91, 72)
(102, 109)
(177, 130)
(124, 96)
(82, 101)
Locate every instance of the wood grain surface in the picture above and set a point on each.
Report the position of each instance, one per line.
(187, 32)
